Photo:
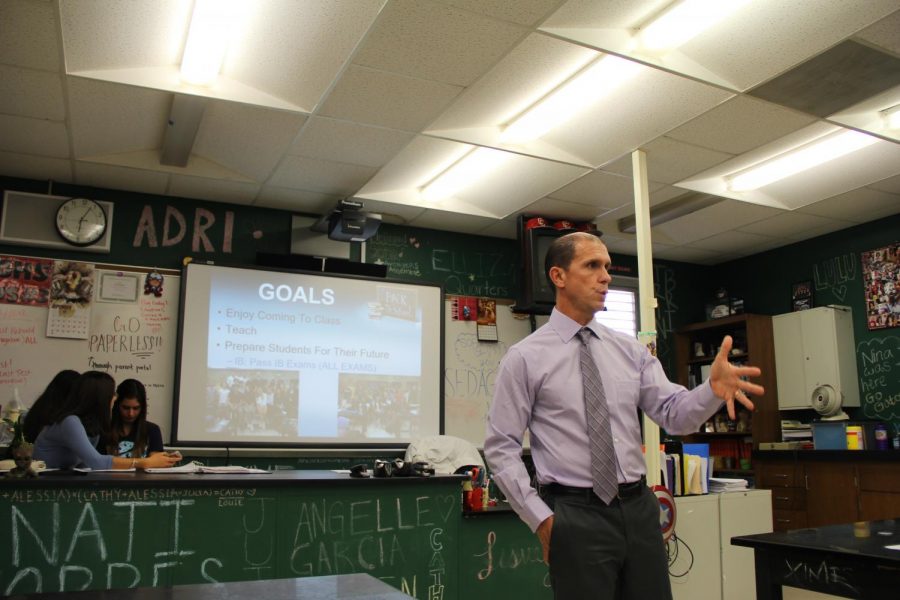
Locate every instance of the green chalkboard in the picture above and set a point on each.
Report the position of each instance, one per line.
(67, 538)
(833, 263)
(501, 559)
(467, 265)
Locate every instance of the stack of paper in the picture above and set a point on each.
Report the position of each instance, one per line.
(721, 484)
(195, 467)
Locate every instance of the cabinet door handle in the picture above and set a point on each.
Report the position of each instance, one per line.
(806, 482)
(781, 475)
(783, 520)
(782, 498)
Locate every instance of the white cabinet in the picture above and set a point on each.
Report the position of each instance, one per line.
(742, 513)
(815, 353)
(695, 568)
(703, 565)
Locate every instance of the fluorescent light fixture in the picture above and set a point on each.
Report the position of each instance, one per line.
(682, 21)
(670, 210)
(813, 154)
(891, 117)
(212, 27)
(585, 88)
(465, 172)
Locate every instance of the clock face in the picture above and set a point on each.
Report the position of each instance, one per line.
(81, 221)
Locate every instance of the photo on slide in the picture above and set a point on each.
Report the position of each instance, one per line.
(253, 403)
(379, 406)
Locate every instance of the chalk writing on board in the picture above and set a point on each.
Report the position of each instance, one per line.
(833, 274)
(880, 361)
(473, 273)
(508, 558)
(67, 548)
(664, 288)
(822, 574)
(436, 566)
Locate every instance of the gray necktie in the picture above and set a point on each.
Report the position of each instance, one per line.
(603, 456)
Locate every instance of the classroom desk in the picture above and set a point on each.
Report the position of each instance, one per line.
(333, 587)
(849, 561)
(125, 530)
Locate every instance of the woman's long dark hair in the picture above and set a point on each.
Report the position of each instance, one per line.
(89, 401)
(130, 388)
(55, 395)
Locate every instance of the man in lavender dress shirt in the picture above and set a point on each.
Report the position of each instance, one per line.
(594, 550)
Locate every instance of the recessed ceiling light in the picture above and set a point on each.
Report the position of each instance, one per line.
(213, 24)
(465, 172)
(797, 160)
(682, 21)
(891, 117)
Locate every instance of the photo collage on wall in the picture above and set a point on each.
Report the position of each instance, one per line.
(881, 277)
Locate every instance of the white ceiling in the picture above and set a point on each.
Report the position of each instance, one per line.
(320, 100)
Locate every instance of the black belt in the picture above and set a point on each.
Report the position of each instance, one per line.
(626, 490)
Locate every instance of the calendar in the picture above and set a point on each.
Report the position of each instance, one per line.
(71, 297)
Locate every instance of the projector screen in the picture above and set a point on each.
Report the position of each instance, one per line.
(284, 358)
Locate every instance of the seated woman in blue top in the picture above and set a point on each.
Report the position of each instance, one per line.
(131, 435)
(76, 425)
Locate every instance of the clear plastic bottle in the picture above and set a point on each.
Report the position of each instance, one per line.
(13, 408)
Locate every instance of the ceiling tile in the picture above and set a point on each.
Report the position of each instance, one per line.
(246, 139)
(121, 178)
(108, 118)
(35, 167)
(437, 42)
(343, 141)
(523, 12)
(632, 115)
(884, 33)
(451, 221)
(739, 125)
(789, 224)
(323, 176)
(300, 201)
(387, 99)
(858, 206)
(115, 35)
(735, 242)
(890, 185)
(504, 228)
(669, 161)
(554, 209)
(235, 192)
(32, 42)
(686, 254)
(30, 93)
(721, 217)
(295, 50)
(599, 189)
(834, 80)
(396, 214)
(34, 136)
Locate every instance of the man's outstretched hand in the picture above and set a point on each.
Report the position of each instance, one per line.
(726, 383)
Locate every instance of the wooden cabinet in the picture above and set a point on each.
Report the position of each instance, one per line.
(812, 489)
(752, 335)
(831, 493)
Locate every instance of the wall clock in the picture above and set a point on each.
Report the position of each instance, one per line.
(81, 221)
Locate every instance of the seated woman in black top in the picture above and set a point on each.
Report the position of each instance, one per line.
(131, 435)
(53, 397)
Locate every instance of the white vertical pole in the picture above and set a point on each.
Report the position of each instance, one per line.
(647, 334)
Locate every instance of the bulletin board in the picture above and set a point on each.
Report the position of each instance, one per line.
(130, 328)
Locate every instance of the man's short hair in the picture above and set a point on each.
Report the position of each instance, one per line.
(562, 251)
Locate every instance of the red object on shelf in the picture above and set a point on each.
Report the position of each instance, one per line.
(563, 225)
(536, 222)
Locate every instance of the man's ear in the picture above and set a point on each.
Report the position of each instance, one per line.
(558, 276)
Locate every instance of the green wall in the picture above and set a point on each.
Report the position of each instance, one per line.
(833, 262)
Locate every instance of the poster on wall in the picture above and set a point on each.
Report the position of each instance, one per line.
(25, 281)
(71, 291)
(881, 274)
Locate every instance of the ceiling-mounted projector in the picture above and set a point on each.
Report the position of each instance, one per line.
(348, 222)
